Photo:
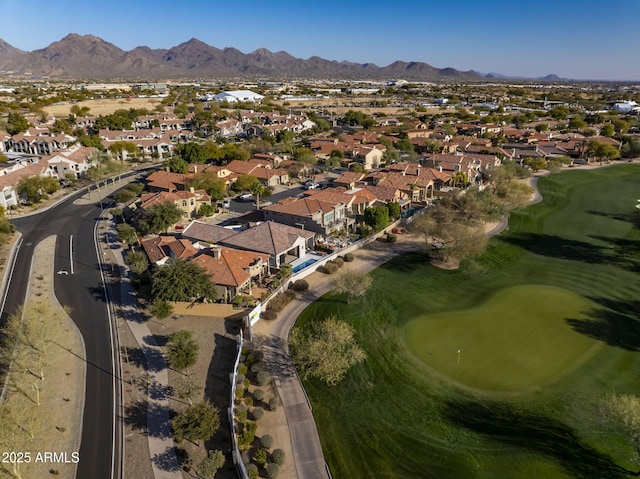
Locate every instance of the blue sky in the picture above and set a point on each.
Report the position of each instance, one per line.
(585, 39)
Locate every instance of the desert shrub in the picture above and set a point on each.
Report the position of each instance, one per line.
(258, 394)
(240, 378)
(279, 301)
(269, 315)
(273, 404)
(258, 413)
(263, 378)
(300, 285)
(266, 441)
(391, 238)
(239, 392)
(248, 401)
(278, 456)
(348, 257)
(260, 456)
(242, 369)
(339, 262)
(330, 268)
(256, 368)
(242, 416)
(272, 470)
(252, 471)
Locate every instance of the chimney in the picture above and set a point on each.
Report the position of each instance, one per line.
(192, 189)
(216, 251)
(195, 168)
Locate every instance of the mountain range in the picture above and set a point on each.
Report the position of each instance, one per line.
(88, 56)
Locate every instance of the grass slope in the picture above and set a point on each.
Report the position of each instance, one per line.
(394, 417)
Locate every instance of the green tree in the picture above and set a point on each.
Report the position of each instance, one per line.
(182, 280)
(182, 350)
(602, 151)
(37, 188)
(16, 123)
(177, 165)
(535, 164)
(3, 158)
(191, 152)
(137, 261)
(196, 423)
(352, 284)
(305, 155)
(540, 127)
(161, 309)
(607, 130)
(377, 217)
(394, 210)
(120, 148)
(206, 210)
(209, 182)
(160, 217)
(326, 350)
(210, 464)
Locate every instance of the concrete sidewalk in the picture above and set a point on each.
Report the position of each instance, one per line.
(273, 336)
(161, 447)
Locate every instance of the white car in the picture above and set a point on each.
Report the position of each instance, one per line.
(245, 197)
(311, 186)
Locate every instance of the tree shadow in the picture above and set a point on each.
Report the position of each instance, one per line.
(407, 262)
(156, 339)
(276, 360)
(561, 248)
(631, 217)
(614, 322)
(536, 433)
(625, 251)
(148, 418)
(218, 388)
(146, 358)
(167, 460)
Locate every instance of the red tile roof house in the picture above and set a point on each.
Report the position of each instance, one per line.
(230, 269)
(282, 243)
(233, 270)
(167, 181)
(308, 213)
(74, 161)
(188, 201)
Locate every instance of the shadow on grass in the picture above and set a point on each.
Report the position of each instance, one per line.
(615, 322)
(539, 434)
(407, 262)
(562, 248)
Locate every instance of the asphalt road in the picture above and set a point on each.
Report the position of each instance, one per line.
(82, 291)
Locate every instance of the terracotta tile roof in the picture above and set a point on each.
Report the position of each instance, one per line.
(301, 206)
(230, 269)
(167, 180)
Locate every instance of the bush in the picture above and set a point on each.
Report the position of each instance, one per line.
(330, 268)
(252, 471)
(278, 456)
(272, 470)
(300, 285)
(239, 392)
(248, 401)
(240, 379)
(256, 368)
(266, 441)
(258, 394)
(258, 413)
(339, 262)
(242, 369)
(391, 238)
(279, 301)
(263, 378)
(242, 416)
(260, 456)
(273, 404)
(269, 315)
(348, 257)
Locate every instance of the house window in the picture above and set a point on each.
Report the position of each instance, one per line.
(184, 202)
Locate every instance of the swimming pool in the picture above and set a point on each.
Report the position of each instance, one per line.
(302, 266)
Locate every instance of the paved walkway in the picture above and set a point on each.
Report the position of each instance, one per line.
(272, 335)
(161, 448)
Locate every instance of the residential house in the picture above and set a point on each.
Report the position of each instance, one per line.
(189, 202)
(73, 161)
(233, 270)
(308, 213)
(281, 242)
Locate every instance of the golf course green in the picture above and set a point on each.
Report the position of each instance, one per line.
(517, 339)
(546, 322)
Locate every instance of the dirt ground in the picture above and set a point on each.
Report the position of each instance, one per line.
(58, 419)
(105, 106)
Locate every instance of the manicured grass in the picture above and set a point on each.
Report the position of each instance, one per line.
(517, 339)
(397, 416)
